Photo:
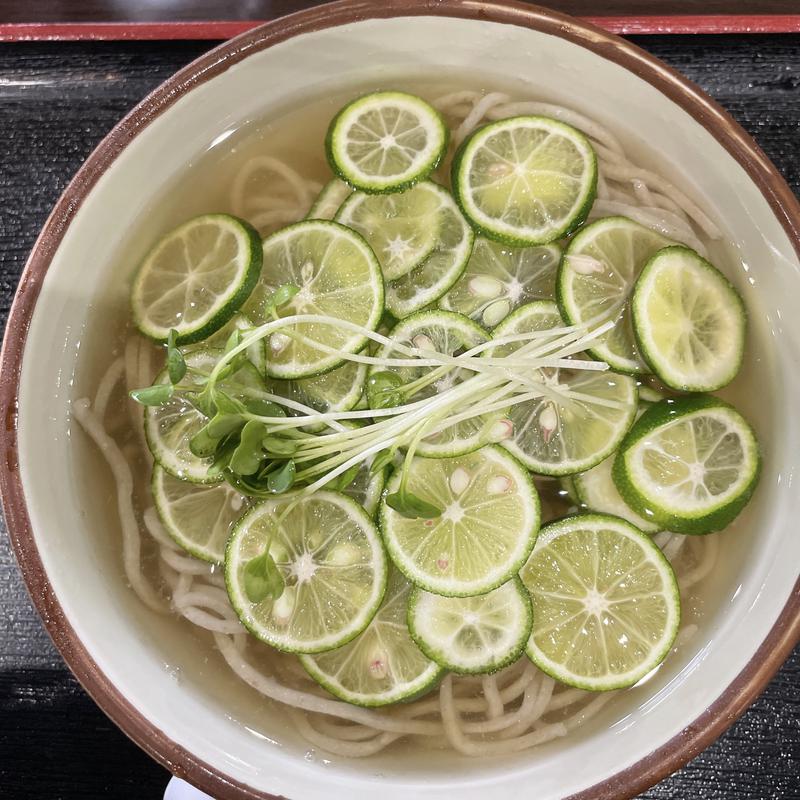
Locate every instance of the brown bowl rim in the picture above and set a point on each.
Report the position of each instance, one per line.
(627, 783)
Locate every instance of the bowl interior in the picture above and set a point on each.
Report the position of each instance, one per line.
(171, 675)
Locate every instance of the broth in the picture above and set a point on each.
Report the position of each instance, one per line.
(296, 137)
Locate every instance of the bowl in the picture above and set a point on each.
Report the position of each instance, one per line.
(163, 686)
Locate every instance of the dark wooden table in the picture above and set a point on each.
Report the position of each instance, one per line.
(56, 102)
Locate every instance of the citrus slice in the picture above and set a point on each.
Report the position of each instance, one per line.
(691, 464)
(606, 606)
(338, 276)
(595, 281)
(333, 566)
(689, 321)
(582, 414)
(451, 334)
(469, 635)
(525, 180)
(169, 427)
(198, 517)
(196, 277)
(499, 279)
(597, 491)
(333, 194)
(486, 531)
(401, 228)
(382, 665)
(386, 141)
(426, 283)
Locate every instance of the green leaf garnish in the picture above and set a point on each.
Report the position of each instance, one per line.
(176, 365)
(346, 478)
(249, 453)
(276, 445)
(153, 395)
(411, 506)
(284, 294)
(262, 578)
(282, 480)
(383, 390)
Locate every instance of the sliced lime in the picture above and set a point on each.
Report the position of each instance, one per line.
(338, 276)
(691, 464)
(169, 427)
(196, 277)
(648, 395)
(333, 194)
(451, 334)
(386, 141)
(486, 531)
(582, 415)
(441, 269)
(595, 281)
(382, 665)
(469, 635)
(525, 180)
(606, 606)
(499, 279)
(198, 517)
(689, 321)
(330, 556)
(401, 228)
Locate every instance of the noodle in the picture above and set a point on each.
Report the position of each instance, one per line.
(514, 709)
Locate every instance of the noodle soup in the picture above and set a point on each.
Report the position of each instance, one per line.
(268, 175)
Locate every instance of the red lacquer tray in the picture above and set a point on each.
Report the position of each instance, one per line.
(51, 20)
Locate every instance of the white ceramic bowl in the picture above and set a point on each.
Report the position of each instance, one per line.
(58, 509)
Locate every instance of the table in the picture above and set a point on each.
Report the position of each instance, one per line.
(56, 102)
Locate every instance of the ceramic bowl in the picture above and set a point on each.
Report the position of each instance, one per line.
(161, 685)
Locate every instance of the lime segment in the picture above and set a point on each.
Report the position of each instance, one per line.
(382, 665)
(198, 517)
(595, 281)
(525, 180)
(689, 321)
(690, 465)
(196, 277)
(338, 276)
(386, 141)
(470, 635)
(491, 516)
(606, 607)
(333, 566)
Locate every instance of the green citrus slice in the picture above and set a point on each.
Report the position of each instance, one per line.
(525, 180)
(329, 200)
(198, 517)
(606, 606)
(580, 418)
(488, 526)
(499, 279)
(338, 276)
(196, 277)
(386, 141)
(469, 635)
(382, 665)
(596, 279)
(330, 557)
(690, 465)
(689, 321)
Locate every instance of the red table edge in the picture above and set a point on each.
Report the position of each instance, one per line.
(225, 29)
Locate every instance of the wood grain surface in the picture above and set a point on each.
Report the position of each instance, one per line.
(56, 102)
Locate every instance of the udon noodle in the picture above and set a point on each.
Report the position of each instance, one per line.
(515, 709)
